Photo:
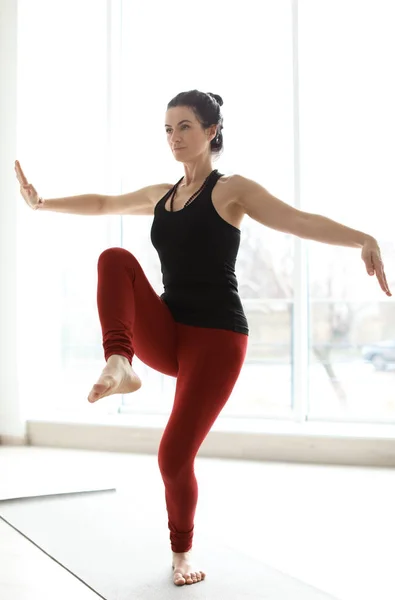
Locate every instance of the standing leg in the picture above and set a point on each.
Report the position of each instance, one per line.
(210, 361)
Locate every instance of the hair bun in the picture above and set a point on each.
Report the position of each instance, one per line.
(217, 98)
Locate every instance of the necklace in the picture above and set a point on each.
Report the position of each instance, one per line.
(193, 196)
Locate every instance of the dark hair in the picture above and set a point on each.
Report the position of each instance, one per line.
(207, 110)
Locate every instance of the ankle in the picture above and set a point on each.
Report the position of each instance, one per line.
(117, 358)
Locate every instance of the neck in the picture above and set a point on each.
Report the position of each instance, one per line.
(196, 173)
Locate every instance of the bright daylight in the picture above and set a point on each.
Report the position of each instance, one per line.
(197, 374)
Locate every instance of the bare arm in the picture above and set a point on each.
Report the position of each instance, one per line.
(265, 208)
(86, 204)
(140, 202)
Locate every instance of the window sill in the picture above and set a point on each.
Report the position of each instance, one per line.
(342, 443)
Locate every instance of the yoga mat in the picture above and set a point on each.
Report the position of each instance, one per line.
(111, 542)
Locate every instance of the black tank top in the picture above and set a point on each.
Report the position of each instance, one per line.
(198, 251)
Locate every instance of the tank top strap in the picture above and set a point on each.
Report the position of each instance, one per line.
(212, 180)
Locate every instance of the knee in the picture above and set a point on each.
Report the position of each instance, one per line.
(171, 467)
(169, 471)
(114, 254)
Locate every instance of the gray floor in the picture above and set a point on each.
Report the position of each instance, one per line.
(262, 526)
(109, 541)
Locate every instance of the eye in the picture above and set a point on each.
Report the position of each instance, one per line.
(182, 127)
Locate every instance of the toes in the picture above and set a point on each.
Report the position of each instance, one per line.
(195, 577)
(188, 578)
(98, 391)
(179, 579)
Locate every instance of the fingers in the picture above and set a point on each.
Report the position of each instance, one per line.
(19, 173)
(383, 281)
(387, 289)
(371, 269)
(375, 265)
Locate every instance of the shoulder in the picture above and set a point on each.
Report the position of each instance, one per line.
(238, 186)
(164, 187)
(240, 183)
(160, 189)
(233, 182)
(247, 190)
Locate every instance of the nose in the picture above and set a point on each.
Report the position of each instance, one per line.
(175, 138)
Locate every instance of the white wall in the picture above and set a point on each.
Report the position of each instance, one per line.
(11, 423)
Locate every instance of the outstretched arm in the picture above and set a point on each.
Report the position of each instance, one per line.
(268, 210)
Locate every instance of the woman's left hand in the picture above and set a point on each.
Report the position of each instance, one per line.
(372, 259)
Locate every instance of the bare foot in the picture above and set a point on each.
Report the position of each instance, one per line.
(117, 377)
(184, 573)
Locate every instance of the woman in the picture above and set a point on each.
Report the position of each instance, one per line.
(196, 330)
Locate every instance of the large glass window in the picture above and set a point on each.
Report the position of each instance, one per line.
(346, 53)
(92, 100)
(63, 148)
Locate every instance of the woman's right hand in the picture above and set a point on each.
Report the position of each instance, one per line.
(28, 192)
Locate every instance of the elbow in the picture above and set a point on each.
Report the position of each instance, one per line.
(299, 224)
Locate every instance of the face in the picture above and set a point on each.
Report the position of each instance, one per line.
(185, 135)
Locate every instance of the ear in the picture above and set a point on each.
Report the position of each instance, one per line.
(212, 132)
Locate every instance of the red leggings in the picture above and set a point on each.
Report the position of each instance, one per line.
(205, 361)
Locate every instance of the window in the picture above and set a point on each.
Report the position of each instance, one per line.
(82, 131)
